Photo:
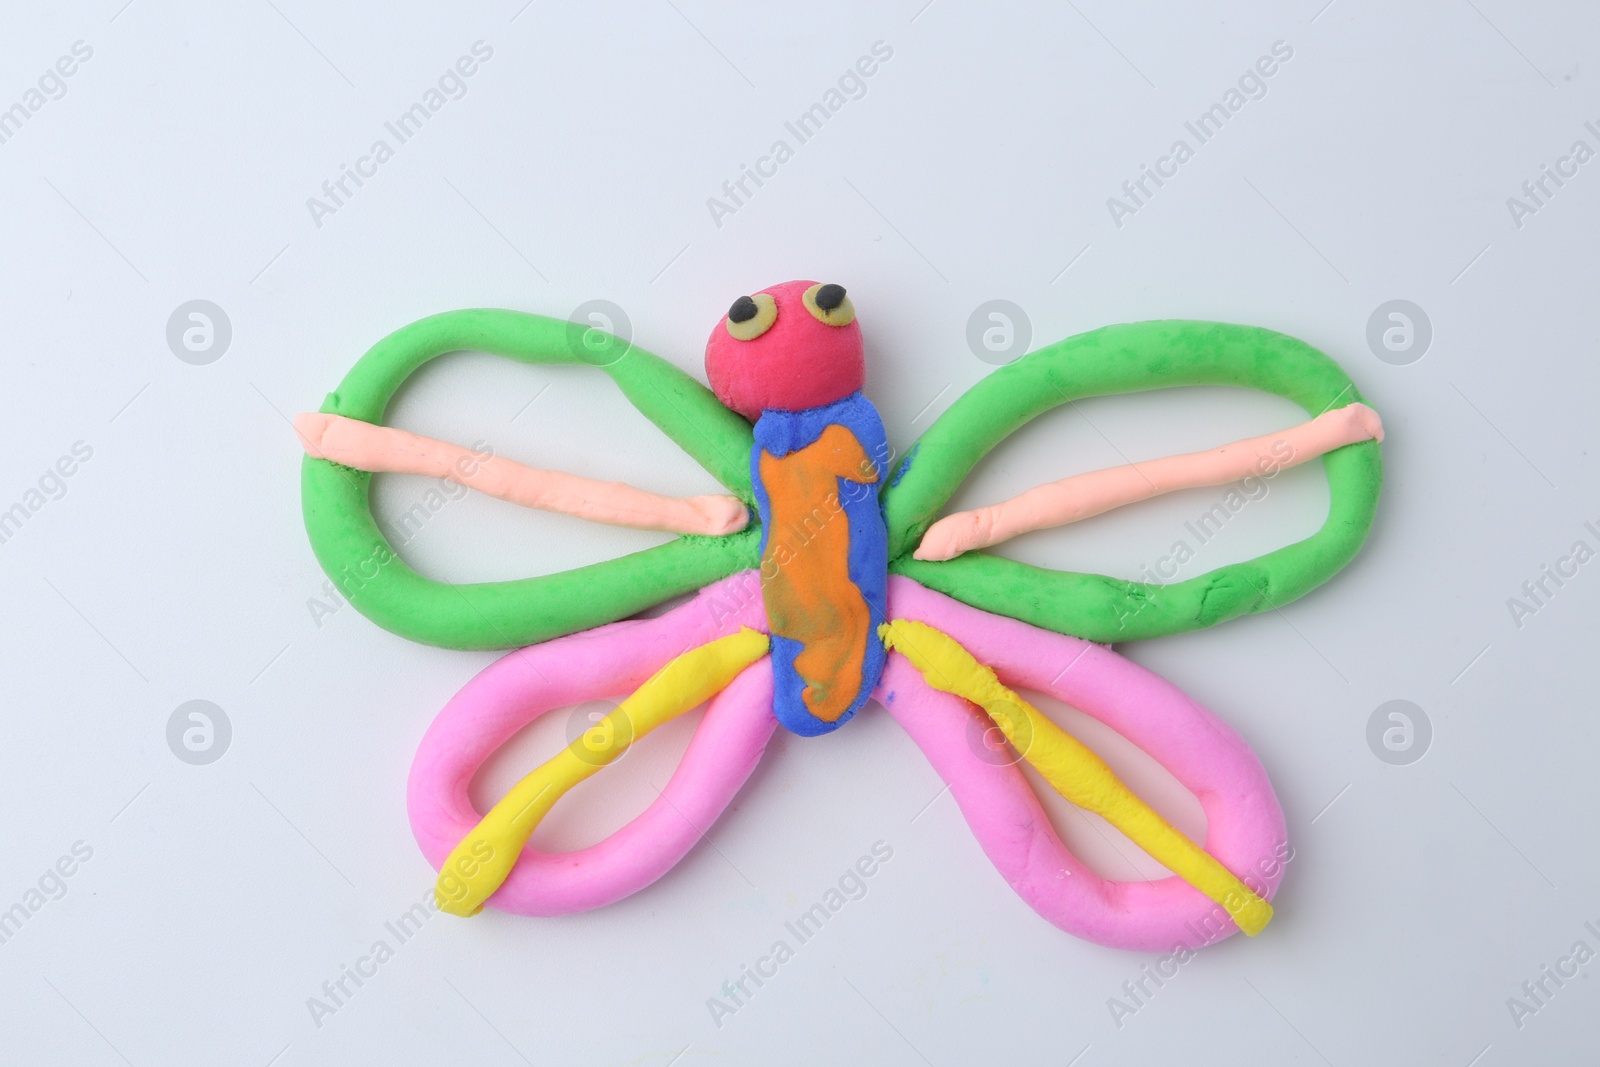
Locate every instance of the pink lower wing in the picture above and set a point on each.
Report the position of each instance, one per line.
(1245, 824)
(604, 662)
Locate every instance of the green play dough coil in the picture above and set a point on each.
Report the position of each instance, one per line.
(1125, 359)
(368, 572)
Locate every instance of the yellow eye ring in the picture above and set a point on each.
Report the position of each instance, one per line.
(838, 312)
(752, 316)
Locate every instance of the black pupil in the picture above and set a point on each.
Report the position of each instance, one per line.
(743, 310)
(830, 296)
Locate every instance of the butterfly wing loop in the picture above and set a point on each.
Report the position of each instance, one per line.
(954, 667)
(367, 570)
(1128, 358)
(711, 649)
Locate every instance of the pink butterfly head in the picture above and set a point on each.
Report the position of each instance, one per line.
(789, 347)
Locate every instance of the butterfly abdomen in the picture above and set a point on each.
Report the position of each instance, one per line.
(824, 557)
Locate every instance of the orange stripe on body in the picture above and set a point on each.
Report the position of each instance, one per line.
(805, 571)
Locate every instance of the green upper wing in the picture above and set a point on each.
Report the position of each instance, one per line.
(368, 572)
(1124, 359)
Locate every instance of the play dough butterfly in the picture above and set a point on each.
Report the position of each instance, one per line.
(824, 581)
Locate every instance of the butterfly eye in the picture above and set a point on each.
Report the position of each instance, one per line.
(752, 316)
(829, 305)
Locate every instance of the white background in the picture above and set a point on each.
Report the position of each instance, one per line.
(977, 165)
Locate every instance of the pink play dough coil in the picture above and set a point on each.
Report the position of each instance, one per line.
(608, 661)
(1245, 825)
